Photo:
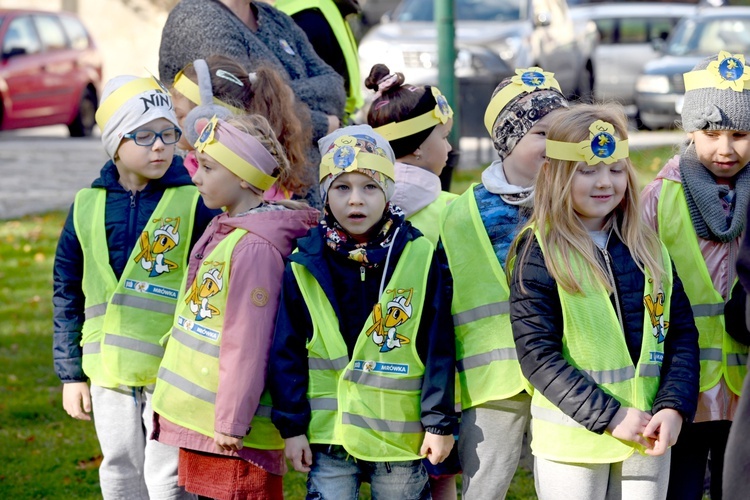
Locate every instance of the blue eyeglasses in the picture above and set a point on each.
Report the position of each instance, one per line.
(148, 137)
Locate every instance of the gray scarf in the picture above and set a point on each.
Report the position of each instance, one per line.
(703, 196)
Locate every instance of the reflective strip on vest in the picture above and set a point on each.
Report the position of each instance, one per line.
(486, 360)
(187, 386)
(328, 364)
(133, 345)
(330, 404)
(195, 344)
(381, 425)
(95, 311)
(142, 303)
(554, 417)
(372, 380)
(92, 348)
(481, 312)
(718, 349)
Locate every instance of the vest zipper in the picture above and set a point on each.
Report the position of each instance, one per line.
(611, 277)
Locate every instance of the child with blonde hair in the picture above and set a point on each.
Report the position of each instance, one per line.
(602, 326)
(697, 204)
(209, 394)
(220, 86)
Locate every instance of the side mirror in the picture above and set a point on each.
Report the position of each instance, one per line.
(13, 51)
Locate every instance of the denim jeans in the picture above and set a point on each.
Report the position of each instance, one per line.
(337, 475)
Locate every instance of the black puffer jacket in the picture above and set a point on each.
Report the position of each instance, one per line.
(125, 216)
(538, 330)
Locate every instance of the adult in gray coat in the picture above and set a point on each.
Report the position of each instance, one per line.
(254, 33)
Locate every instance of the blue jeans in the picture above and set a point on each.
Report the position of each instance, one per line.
(337, 475)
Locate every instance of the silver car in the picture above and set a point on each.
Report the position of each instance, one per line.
(493, 38)
(626, 32)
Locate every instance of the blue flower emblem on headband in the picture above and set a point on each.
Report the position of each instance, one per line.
(731, 69)
(207, 135)
(603, 145)
(344, 156)
(443, 105)
(533, 78)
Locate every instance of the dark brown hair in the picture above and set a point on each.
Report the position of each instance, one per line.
(396, 102)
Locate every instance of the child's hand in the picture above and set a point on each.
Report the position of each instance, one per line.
(663, 429)
(297, 449)
(74, 395)
(436, 447)
(629, 424)
(227, 443)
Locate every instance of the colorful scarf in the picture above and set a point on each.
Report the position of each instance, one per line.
(369, 254)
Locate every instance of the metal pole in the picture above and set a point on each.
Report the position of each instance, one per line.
(444, 17)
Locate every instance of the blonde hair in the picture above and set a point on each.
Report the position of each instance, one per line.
(562, 232)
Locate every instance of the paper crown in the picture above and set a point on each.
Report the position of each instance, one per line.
(601, 146)
(223, 153)
(190, 89)
(441, 113)
(116, 99)
(526, 80)
(727, 72)
(346, 156)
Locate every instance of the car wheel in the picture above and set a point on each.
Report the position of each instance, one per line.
(83, 123)
(585, 89)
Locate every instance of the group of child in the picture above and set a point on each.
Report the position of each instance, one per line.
(546, 293)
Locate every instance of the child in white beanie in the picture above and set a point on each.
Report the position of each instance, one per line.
(362, 364)
(120, 261)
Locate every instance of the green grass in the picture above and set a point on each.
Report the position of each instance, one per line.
(45, 453)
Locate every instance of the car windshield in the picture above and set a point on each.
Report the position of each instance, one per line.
(466, 10)
(695, 37)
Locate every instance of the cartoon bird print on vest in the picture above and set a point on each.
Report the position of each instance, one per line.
(166, 238)
(655, 310)
(211, 284)
(383, 329)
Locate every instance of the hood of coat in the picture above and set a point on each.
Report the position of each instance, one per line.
(279, 227)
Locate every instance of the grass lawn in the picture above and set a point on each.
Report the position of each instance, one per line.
(45, 453)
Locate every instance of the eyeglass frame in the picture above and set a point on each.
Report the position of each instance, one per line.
(157, 135)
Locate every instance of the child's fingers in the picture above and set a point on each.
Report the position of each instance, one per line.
(660, 447)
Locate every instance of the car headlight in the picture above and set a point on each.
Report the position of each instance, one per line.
(509, 50)
(652, 84)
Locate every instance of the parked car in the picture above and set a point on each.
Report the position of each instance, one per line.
(660, 87)
(493, 38)
(50, 71)
(626, 31)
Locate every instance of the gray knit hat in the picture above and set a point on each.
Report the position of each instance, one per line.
(717, 94)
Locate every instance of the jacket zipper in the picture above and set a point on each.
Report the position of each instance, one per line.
(611, 276)
(362, 273)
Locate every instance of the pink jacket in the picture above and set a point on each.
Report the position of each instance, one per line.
(718, 403)
(257, 267)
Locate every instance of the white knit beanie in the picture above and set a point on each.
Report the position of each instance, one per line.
(129, 102)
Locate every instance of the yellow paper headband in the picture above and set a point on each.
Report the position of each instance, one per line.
(441, 113)
(209, 144)
(727, 72)
(345, 156)
(116, 99)
(189, 89)
(601, 146)
(526, 80)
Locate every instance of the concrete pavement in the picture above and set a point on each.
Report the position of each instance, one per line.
(43, 168)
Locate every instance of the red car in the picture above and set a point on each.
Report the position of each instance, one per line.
(50, 71)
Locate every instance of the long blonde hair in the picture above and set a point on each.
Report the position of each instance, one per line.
(562, 232)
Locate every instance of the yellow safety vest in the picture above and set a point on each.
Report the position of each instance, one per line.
(427, 220)
(594, 343)
(189, 373)
(486, 359)
(371, 404)
(720, 354)
(345, 38)
(125, 320)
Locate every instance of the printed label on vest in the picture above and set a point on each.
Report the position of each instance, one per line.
(655, 308)
(150, 288)
(197, 329)
(383, 330)
(374, 366)
(165, 238)
(200, 295)
(656, 356)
